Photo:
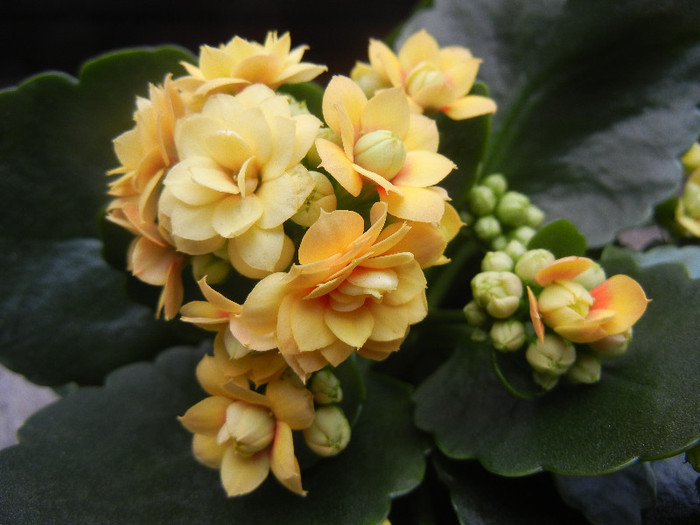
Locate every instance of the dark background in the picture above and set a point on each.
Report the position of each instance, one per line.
(40, 35)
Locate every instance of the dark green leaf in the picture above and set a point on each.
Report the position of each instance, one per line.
(612, 499)
(118, 455)
(561, 238)
(597, 99)
(644, 407)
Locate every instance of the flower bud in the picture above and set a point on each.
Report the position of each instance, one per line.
(330, 432)
(585, 370)
(422, 76)
(512, 208)
(250, 427)
(592, 277)
(535, 216)
(515, 249)
(322, 197)
(482, 200)
(496, 261)
(475, 314)
(546, 380)
(381, 151)
(691, 199)
(531, 262)
(563, 303)
(487, 228)
(499, 243)
(508, 335)
(523, 234)
(612, 345)
(325, 387)
(215, 269)
(498, 293)
(496, 182)
(554, 356)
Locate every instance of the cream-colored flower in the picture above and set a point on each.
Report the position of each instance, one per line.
(434, 78)
(353, 290)
(246, 434)
(381, 141)
(239, 179)
(232, 66)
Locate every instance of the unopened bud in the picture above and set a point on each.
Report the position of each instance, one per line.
(424, 75)
(496, 261)
(612, 345)
(499, 243)
(475, 314)
(487, 227)
(325, 387)
(496, 182)
(691, 199)
(585, 370)
(535, 216)
(381, 151)
(554, 356)
(498, 293)
(515, 249)
(251, 428)
(508, 335)
(546, 380)
(214, 268)
(591, 277)
(512, 208)
(322, 197)
(330, 432)
(531, 262)
(482, 200)
(523, 234)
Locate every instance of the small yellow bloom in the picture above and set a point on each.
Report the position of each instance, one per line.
(434, 78)
(239, 63)
(581, 315)
(239, 179)
(382, 142)
(353, 290)
(246, 434)
(688, 207)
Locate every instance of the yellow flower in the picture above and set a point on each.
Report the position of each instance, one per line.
(383, 142)
(434, 78)
(239, 179)
(581, 315)
(246, 434)
(688, 207)
(353, 290)
(239, 63)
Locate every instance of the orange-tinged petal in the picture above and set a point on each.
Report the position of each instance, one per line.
(353, 328)
(425, 242)
(564, 268)
(422, 134)
(207, 451)
(389, 110)
(290, 403)
(337, 353)
(331, 234)
(207, 416)
(415, 204)
(335, 161)
(234, 389)
(423, 169)
(624, 296)
(216, 299)
(241, 475)
(309, 331)
(283, 463)
(389, 323)
(469, 107)
(535, 315)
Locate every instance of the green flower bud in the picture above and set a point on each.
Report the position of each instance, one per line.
(592, 277)
(535, 216)
(555, 356)
(585, 370)
(496, 182)
(325, 387)
(330, 432)
(508, 335)
(612, 345)
(523, 234)
(498, 293)
(482, 200)
(546, 380)
(381, 151)
(496, 261)
(487, 228)
(475, 314)
(691, 200)
(512, 208)
(322, 197)
(515, 249)
(215, 269)
(499, 243)
(531, 262)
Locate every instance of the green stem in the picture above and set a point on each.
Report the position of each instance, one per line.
(447, 278)
(444, 316)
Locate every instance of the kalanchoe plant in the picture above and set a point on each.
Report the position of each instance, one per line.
(396, 283)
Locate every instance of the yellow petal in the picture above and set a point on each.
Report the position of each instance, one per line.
(234, 214)
(337, 353)
(564, 268)
(422, 134)
(243, 393)
(308, 327)
(469, 107)
(390, 323)
(535, 315)
(291, 403)
(425, 242)
(343, 92)
(331, 234)
(384, 61)
(282, 197)
(283, 463)
(241, 475)
(180, 181)
(388, 109)
(207, 450)
(415, 204)
(423, 169)
(207, 416)
(259, 248)
(228, 148)
(353, 328)
(335, 161)
(419, 47)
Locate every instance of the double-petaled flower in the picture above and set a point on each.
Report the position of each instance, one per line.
(238, 179)
(580, 314)
(246, 434)
(434, 78)
(382, 142)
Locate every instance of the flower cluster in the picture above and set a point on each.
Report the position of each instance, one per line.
(687, 211)
(334, 217)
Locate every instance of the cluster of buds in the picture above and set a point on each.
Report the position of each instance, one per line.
(565, 312)
(504, 220)
(334, 218)
(687, 211)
